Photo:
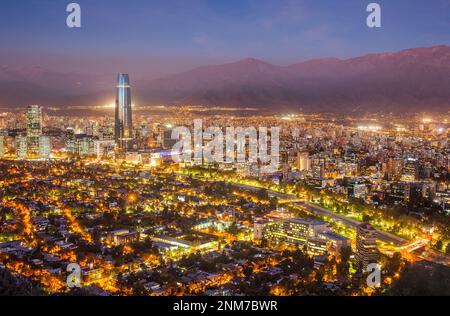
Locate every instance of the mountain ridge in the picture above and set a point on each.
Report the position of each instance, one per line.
(408, 80)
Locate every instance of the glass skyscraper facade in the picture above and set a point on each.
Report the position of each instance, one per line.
(45, 147)
(34, 129)
(123, 115)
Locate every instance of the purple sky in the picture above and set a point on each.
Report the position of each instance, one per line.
(151, 38)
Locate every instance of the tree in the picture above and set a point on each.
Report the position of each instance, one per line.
(262, 194)
(419, 280)
(344, 265)
(233, 229)
(274, 202)
(395, 263)
(438, 245)
(248, 271)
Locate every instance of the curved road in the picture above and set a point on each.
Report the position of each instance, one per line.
(384, 236)
(428, 254)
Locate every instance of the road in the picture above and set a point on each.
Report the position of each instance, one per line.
(400, 243)
(383, 236)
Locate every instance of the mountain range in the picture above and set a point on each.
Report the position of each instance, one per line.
(409, 80)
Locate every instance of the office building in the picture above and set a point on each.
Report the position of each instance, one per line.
(366, 246)
(356, 189)
(104, 149)
(45, 147)
(303, 161)
(34, 129)
(336, 243)
(410, 170)
(2, 146)
(80, 144)
(123, 126)
(294, 231)
(21, 147)
(122, 237)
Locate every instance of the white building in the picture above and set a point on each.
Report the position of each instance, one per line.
(21, 147)
(2, 146)
(45, 147)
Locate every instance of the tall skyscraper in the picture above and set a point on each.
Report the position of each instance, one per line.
(34, 129)
(21, 147)
(2, 146)
(410, 170)
(366, 245)
(45, 147)
(123, 118)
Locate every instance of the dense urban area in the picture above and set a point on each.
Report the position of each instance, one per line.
(104, 193)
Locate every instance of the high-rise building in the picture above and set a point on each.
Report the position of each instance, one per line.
(80, 144)
(2, 146)
(303, 161)
(410, 170)
(123, 127)
(21, 147)
(399, 191)
(70, 140)
(104, 148)
(393, 168)
(2, 121)
(366, 246)
(356, 189)
(318, 168)
(45, 147)
(34, 129)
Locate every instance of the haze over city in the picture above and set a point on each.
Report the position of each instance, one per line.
(50, 63)
(225, 149)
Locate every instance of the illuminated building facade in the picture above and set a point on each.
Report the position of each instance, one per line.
(303, 161)
(123, 126)
(21, 147)
(399, 191)
(366, 245)
(295, 231)
(2, 146)
(190, 243)
(45, 147)
(410, 170)
(122, 237)
(80, 145)
(34, 129)
(104, 148)
(291, 231)
(336, 243)
(356, 190)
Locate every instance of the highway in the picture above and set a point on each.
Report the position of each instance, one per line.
(315, 209)
(383, 236)
(406, 247)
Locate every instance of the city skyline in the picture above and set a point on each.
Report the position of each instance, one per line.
(232, 152)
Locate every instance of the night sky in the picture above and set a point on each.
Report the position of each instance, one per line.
(158, 37)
